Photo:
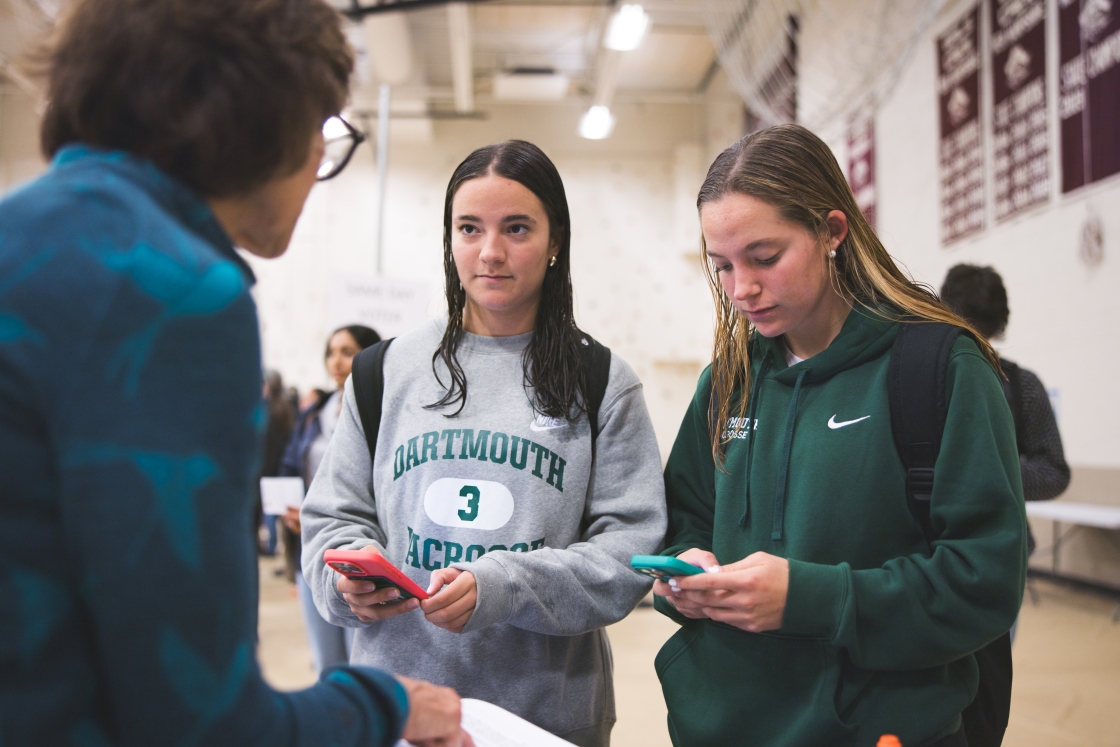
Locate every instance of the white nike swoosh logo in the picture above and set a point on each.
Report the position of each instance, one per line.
(834, 425)
(534, 426)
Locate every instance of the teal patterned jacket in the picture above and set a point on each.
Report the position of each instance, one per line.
(131, 425)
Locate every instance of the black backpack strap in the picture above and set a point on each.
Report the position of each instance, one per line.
(1013, 391)
(596, 364)
(985, 719)
(369, 386)
(916, 392)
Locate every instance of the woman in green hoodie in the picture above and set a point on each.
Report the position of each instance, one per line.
(825, 617)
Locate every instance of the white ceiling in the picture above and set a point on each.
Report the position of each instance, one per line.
(675, 58)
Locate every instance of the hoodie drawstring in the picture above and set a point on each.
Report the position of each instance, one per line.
(783, 469)
(752, 413)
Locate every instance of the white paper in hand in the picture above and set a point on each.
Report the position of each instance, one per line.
(278, 494)
(493, 726)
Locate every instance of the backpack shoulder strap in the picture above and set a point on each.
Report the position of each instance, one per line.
(916, 391)
(596, 364)
(1013, 390)
(369, 386)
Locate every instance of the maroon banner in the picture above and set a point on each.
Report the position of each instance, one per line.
(1020, 136)
(1089, 90)
(962, 155)
(861, 165)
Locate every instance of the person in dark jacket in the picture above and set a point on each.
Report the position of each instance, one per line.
(131, 418)
(330, 644)
(281, 420)
(978, 295)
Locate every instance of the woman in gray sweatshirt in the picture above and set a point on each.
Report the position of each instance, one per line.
(489, 488)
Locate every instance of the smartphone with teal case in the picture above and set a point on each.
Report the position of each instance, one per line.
(663, 568)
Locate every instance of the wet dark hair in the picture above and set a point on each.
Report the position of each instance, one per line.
(223, 95)
(551, 359)
(977, 294)
(363, 336)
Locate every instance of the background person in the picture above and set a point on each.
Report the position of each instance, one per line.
(330, 644)
(281, 420)
(825, 618)
(486, 487)
(131, 418)
(978, 295)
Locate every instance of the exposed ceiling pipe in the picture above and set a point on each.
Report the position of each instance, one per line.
(389, 47)
(462, 68)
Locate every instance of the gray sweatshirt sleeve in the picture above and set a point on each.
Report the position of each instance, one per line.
(588, 584)
(339, 512)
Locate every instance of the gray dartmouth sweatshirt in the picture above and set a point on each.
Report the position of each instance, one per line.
(516, 499)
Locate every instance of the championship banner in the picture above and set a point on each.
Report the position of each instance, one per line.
(961, 151)
(861, 165)
(1020, 137)
(1089, 90)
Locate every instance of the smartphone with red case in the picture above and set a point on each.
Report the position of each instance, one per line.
(361, 565)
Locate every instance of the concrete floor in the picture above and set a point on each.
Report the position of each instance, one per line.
(1067, 667)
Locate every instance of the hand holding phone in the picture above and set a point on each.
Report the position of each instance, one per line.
(372, 586)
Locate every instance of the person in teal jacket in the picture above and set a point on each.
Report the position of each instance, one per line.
(131, 417)
(824, 617)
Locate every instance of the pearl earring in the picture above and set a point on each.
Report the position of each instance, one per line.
(832, 254)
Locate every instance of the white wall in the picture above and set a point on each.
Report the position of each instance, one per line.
(20, 159)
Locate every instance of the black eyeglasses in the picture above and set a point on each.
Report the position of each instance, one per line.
(341, 139)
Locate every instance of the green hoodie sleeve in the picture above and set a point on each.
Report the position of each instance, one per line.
(924, 610)
(690, 486)
(690, 478)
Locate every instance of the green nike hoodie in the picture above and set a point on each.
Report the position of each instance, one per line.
(879, 626)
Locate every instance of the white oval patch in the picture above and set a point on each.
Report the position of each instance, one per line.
(475, 504)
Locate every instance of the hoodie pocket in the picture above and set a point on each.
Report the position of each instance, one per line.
(673, 648)
(725, 687)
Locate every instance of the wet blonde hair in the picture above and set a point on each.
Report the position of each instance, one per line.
(794, 171)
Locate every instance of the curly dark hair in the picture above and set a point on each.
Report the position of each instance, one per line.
(223, 95)
(978, 295)
(551, 362)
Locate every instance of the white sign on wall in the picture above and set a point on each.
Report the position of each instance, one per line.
(389, 305)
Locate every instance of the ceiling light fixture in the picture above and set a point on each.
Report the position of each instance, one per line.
(627, 28)
(597, 123)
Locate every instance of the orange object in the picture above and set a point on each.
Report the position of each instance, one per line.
(888, 740)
